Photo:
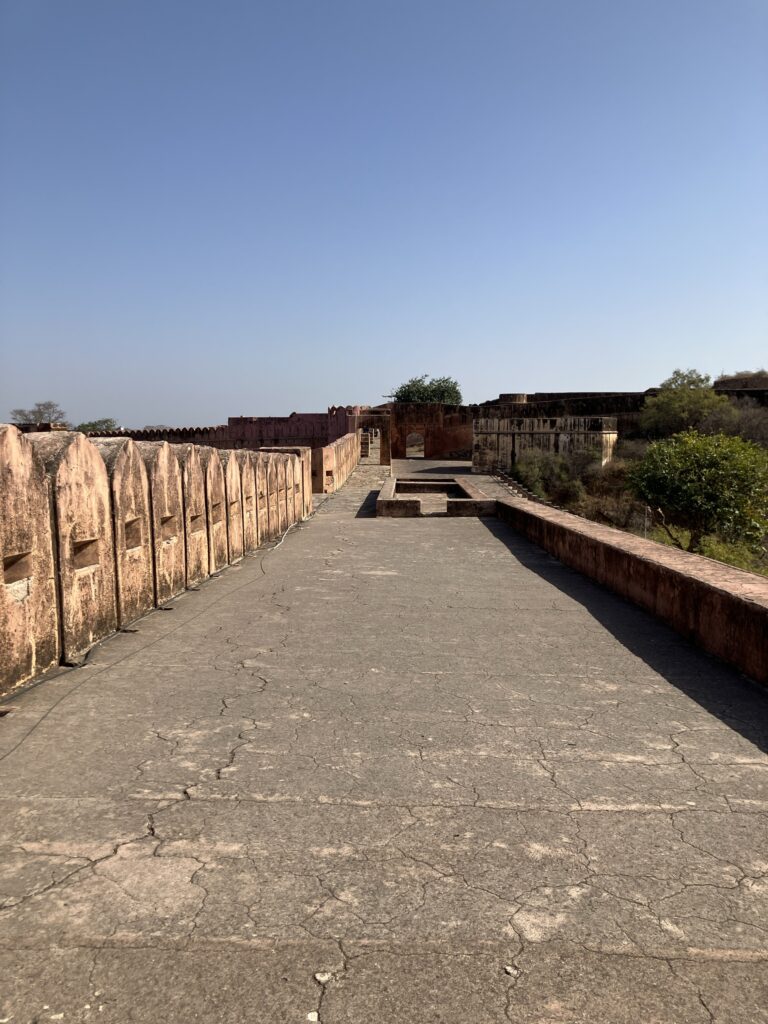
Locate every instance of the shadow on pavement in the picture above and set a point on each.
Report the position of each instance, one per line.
(445, 467)
(727, 694)
(368, 508)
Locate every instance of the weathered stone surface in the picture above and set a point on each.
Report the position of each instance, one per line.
(302, 476)
(322, 470)
(233, 487)
(723, 609)
(195, 513)
(29, 633)
(390, 506)
(132, 522)
(215, 507)
(262, 496)
(333, 464)
(295, 495)
(379, 423)
(446, 429)
(499, 441)
(305, 457)
(84, 539)
(273, 495)
(300, 428)
(290, 507)
(402, 770)
(282, 492)
(167, 505)
(403, 497)
(250, 500)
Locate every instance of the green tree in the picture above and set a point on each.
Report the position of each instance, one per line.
(104, 426)
(41, 412)
(444, 390)
(683, 401)
(706, 484)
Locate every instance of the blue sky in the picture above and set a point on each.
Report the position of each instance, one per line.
(226, 208)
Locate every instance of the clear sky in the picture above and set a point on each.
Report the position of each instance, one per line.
(227, 207)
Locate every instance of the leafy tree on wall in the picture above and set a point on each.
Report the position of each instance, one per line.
(684, 400)
(41, 412)
(103, 426)
(706, 484)
(444, 390)
(51, 412)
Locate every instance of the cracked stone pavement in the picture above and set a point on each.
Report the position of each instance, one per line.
(394, 770)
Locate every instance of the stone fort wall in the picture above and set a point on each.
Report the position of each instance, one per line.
(303, 429)
(95, 533)
(500, 440)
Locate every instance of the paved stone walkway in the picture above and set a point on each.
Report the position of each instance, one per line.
(393, 771)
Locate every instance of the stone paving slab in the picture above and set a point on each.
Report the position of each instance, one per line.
(396, 770)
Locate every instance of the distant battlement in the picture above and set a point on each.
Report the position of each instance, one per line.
(301, 429)
(557, 396)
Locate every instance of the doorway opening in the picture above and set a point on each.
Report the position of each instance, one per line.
(414, 446)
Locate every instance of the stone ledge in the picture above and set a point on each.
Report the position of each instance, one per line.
(477, 502)
(722, 609)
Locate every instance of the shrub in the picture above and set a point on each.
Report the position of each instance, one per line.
(706, 484)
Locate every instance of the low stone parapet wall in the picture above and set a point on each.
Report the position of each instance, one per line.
(29, 618)
(83, 539)
(250, 501)
(722, 609)
(333, 465)
(195, 513)
(131, 521)
(302, 473)
(167, 504)
(96, 532)
(233, 490)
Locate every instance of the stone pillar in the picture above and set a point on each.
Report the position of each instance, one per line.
(323, 463)
(305, 459)
(29, 620)
(385, 453)
(250, 504)
(281, 494)
(290, 492)
(298, 488)
(262, 496)
(83, 537)
(195, 514)
(302, 475)
(167, 506)
(216, 507)
(273, 502)
(132, 524)
(233, 488)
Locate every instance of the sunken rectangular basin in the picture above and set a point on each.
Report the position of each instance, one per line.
(403, 497)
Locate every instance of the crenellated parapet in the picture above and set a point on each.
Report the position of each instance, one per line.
(96, 532)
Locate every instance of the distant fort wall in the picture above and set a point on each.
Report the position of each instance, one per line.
(300, 429)
(499, 441)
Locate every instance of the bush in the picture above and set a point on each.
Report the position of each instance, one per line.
(740, 555)
(554, 477)
(706, 484)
